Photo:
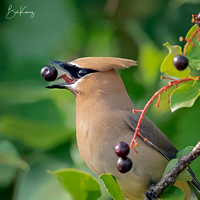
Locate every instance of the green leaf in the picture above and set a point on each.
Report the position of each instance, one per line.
(168, 67)
(189, 34)
(194, 63)
(81, 185)
(10, 161)
(112, 186)
(193, 53)
(9, 156)
(35, 184)
(183, 96)
(184, 151)
(183, 176)
(171, 193)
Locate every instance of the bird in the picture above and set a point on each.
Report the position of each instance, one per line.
(104, 117)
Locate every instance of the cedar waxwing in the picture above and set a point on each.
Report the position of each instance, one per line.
(104, 117)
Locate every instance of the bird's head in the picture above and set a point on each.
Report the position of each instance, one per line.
(84, 73)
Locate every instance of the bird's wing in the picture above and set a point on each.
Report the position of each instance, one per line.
(154, 136)
(157, 140)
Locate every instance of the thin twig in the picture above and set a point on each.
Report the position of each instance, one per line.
(165, 88)
(169, 179)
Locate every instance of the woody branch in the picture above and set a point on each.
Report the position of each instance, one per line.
(169, 179)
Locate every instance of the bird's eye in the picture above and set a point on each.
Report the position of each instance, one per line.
(82, 72)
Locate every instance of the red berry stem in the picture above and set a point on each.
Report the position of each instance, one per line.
(190, 40)
(157, 94)
(168, 96)
(134, 111)
(158, 102)
(163, 77)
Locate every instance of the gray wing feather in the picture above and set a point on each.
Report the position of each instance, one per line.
(157, 140)
(154, 135)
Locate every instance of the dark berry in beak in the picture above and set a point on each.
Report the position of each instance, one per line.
(49, 73)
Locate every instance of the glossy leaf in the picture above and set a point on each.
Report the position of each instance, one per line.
(183, 176)
(184, 151)
(112, 186)
(81, 185)
(171, 193)
(168, 67)
(189, 34)
(192, 52)
(184, 96)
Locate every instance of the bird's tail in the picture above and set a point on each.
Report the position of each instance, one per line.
(196, 183)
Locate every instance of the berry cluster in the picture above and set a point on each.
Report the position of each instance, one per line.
(49, 73)
(124, 164)
(180, 62)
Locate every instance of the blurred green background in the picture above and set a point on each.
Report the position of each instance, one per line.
(37, 126)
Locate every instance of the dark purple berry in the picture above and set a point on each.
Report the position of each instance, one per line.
(198, 19)
(124, 164)
(180, 62)
(49, 73)
(122, 149)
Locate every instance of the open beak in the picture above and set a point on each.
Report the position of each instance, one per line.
(65, 76)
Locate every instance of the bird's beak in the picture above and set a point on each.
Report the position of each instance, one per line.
(66, 75)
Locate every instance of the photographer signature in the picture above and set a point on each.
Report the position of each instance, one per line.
(21, 11)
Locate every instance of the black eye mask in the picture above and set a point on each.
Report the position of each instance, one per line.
(75, 71)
